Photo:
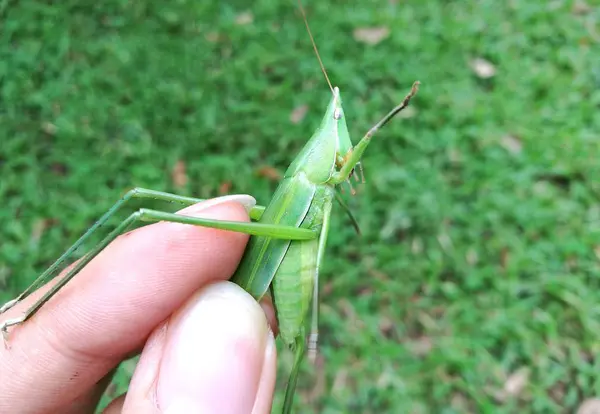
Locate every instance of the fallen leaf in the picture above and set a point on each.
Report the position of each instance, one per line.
(298, 114)
(269, 172)
(472, 257)
(59, 168)
(512, 144)
(327, 289)
(4, 274)
(49, 128)
(420, 347)
(178, 174)
(455, 156)
(212, 37)
(407, 113)
(244, 18)
(320, 382)
(460, 403)
(39, 227)
(340, 381)
(371, 35)
(225, 188)
(580, 7)
(590, 406)
(416, 247)
(386, 326)
(516, 382)
(504, 257)
(483, 68)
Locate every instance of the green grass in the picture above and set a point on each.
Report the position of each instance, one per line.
(481, 221)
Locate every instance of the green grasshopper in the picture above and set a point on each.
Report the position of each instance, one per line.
(288, 236)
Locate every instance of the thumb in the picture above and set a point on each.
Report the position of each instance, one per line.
(215, 355)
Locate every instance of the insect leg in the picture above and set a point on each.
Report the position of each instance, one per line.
(313, 337)
(146, 215)
(135, 193)
(345, 207)
(291, 385)
(131, 194)
(355, 154)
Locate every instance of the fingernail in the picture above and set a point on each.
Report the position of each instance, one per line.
(213, 358)
(247, 201)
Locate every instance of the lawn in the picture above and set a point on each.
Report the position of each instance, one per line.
(475, 286)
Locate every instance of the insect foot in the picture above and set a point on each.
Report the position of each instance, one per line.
(7, 324)
(8, 305)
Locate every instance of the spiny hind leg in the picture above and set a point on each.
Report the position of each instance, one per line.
(146, 215)
(135, 193)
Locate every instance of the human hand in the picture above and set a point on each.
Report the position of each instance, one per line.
(207, 346)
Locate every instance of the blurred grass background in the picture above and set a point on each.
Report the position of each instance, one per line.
(475, 285)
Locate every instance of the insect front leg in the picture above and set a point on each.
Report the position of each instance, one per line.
(353, 156)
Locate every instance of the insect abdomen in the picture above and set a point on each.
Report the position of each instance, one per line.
(293, 285)
(293, 288)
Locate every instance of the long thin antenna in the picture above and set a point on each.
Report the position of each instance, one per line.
(314, 45)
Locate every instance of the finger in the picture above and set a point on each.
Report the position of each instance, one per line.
(111, 307)
(267, 306)
(215, 355)
(115, 406)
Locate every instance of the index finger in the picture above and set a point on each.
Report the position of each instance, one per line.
(111, 307)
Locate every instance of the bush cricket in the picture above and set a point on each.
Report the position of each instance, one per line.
(288, 235)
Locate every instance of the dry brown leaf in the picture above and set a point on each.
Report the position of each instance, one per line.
(408, 112)
(244, 18)
(504, 257)
(269, 172)
(212, 37)
(483, 68)
(512, 144)
(516, 382)
(416, 247)
(178, 174)
(340, 382)
(386, 326)
(580, 7)
(4, 275)
(38, 229)
(327, 289)
(590, 406)
(371, 35)
(320, 382)
(225, 188)
(59, 169)
(49, 128)
(472, 257)
(420, 347)
(298, 114)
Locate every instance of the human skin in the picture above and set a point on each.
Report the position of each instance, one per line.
(207, 346)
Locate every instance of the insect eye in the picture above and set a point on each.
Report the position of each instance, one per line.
(337, 114)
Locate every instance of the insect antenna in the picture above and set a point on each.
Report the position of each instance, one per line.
(312, 40)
